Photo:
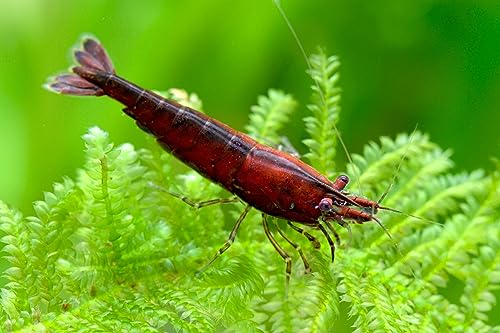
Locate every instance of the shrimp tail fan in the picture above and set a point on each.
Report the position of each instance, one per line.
(87, 79)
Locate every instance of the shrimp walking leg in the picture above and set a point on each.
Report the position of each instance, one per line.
(340, 221)
(206, 203)
(197, 204)
(230, 240)
(314, 241)
(335, 234)
(307, 267)
(329, 239)
(286, 257)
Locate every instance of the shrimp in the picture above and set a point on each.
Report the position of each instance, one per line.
(269, 180)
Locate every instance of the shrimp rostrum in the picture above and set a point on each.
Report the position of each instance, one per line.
(272, 181)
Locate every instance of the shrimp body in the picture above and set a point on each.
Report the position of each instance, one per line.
(272, 181)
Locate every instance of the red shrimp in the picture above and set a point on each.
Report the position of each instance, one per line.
(265, 178)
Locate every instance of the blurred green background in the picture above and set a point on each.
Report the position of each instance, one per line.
(435, 63)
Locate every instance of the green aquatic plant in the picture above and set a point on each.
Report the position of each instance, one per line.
(109, 251)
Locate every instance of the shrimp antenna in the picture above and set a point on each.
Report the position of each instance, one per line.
(410, 215)
(396, 173)
(277, 3)
(393, 242)
(383, 196)
(386, 231)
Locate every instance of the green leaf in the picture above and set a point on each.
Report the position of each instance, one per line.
(111, 250)
(270, 115)
(325, 109)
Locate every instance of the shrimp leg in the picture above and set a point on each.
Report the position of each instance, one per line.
(335, 234)
(230, 240)
(206, 203)
(307, 267)
(314, 241)
(286, 257)
(329, 239)
(196, 204)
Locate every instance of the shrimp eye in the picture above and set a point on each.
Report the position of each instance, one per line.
(341, 182)
(343, 178)
(325, 205)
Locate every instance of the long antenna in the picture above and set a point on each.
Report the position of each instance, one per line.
(396, 246)
(382, 197)
(410, 215)
(277, 3)
(396, 173)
